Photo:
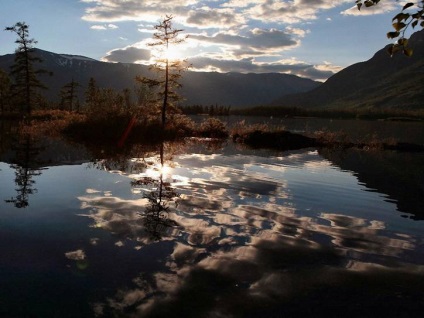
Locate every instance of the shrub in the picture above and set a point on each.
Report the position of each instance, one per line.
(240, 130)
(180, 126)
(213, 128)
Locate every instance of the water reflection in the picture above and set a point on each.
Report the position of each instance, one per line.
(244, 243)
(160, 195)
(148, 218)
(194, 230)
(27, 167)
(399, 175)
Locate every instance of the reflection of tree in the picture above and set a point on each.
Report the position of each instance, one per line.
(160, 194)
(127, 161)
(26, 168)
(241, 255)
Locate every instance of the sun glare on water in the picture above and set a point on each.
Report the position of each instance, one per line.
(157, 170)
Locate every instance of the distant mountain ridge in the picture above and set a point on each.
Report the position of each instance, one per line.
(204, 88)
(381, 82)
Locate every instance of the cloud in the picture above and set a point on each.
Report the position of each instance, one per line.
(206, 14)
(104, 27)
(98, 27)
(133, 10)
(129, 54)
(376, 9)
(249, 65)
(290, 12)
(225, 34)
(218, 18)
(257, 39)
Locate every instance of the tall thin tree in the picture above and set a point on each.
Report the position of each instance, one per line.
(4, 90)
(25, 76)
(69, 94)
(91, 94)
(169, 70)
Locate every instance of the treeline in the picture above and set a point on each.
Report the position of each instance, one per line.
(212, 110)
(21, 89)
(267, 111)
(292, 112)
(279, 111)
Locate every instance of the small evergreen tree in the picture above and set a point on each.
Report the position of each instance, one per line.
(26, 82)
(91, 94)
(69, 94)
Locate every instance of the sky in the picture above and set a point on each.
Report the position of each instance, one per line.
(308, 38)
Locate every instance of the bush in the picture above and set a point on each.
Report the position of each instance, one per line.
(180, 126)
(213, 128)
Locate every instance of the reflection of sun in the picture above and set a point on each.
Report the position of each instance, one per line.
(157, 170)
(165, 169)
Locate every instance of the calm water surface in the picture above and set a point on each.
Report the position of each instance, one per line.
(356, 130)
(216, 231)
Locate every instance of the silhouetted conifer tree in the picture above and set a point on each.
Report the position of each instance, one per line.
(69, 94)
(25, 83)
(169, 70)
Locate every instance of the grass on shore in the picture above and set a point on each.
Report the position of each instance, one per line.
(122, 128)
(260, 136)
(119, 127)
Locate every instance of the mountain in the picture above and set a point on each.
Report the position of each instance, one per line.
(381, 82)
(228, 89)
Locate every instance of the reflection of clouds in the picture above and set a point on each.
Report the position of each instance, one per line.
(364, 236)
(126, 298)
(199, 232)
(77, 255)
(94, 241)
(241, 243)
(91, 191)
(401, 268)
(123, 218)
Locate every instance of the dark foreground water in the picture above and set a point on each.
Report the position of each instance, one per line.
(216, 231)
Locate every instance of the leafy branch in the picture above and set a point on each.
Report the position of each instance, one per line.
(401, 23)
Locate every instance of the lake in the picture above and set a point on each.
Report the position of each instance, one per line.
(201, 228)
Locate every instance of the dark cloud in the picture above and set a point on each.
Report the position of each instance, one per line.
(256, 39)
(127, 55)
(213, 18)
(117, 10)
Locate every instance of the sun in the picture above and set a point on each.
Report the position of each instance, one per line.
(172, 53)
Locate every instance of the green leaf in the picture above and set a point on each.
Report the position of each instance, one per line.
(414, 23)
(359, 5)
(368, 3)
